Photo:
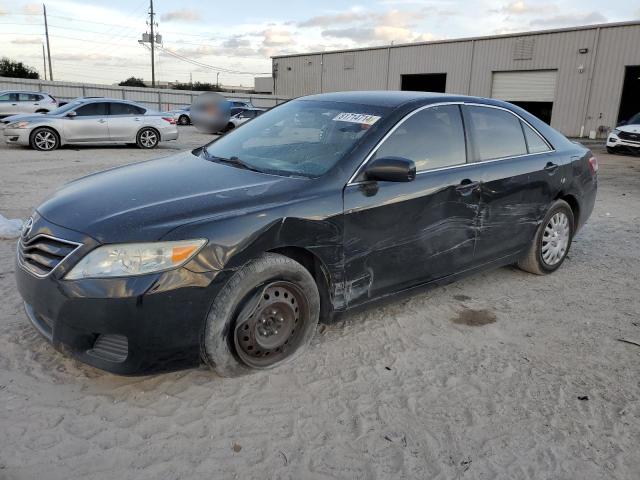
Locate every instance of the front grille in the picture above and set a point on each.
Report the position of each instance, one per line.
(113, 348)
(42, 254)
(633, 137)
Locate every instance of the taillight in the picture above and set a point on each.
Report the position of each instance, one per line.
(593, 165)
(171, 120)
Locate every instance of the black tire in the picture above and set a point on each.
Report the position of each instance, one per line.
(183, 120)
(611, 150)
(44, 139)
(230, 126)
(42, 110)
(233, 337)
(534, 261)
(147, 138)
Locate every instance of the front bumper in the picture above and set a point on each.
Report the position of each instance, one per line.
(129, 326)
(16, 136)
(613, 141)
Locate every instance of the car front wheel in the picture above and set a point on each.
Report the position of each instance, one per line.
(551, 243)
(44, 139)
(147, 138)
(263, 317)
(183, 120)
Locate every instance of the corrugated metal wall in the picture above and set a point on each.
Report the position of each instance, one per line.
(156, 98)
(588, 89)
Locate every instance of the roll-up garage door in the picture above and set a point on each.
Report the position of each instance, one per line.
(524, 86)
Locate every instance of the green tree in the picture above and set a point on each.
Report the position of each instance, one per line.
(10, 68)
(132, 82)
(197, 86)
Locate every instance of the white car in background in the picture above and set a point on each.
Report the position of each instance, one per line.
(182, 115)
(625, 137)
(15, 102)
(243, 116)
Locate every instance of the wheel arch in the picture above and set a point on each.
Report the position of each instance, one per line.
(150, 127)
(318, 270)
(573, 203)
(55, 130)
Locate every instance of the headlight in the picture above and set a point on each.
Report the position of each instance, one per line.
(615, 131)
(128, 259)
(19, 125)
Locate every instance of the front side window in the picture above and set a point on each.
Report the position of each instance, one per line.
(9, 97)
(432, 138)
(496, 133)
(92, 109)
(301, 137)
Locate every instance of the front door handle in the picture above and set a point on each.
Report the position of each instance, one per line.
(102, 120)
(551, 168)
(467, 186)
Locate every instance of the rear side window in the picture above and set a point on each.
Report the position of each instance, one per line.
(9, 97)
(91, 109)
(496, 133)
(432, 138)
(30, 97)
(125, 109)
(535, 143)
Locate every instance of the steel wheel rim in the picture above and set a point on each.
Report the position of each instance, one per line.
(274, 327)
(45, 140)
(148, 138)
(555, 239)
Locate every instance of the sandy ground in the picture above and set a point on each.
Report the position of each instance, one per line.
(539, 388)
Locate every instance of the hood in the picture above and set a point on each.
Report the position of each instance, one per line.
(144, 201)
(23, 117)
(635, 128)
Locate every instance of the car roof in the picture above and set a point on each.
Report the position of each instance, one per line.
(393, 98)
(23, 91)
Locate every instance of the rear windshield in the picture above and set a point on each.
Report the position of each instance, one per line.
(301, 137)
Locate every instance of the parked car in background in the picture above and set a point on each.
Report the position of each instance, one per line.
(92, 121)
(231, 253)
(182, 115)
(13, 102)
(625, 137)
(243, 116)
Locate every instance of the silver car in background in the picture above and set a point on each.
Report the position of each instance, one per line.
(14, 102)
(92, 121)
(182, 115)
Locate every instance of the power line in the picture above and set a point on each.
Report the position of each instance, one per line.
(205, 65)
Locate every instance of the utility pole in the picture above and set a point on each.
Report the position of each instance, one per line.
(46, 32)
(153, 41)
(44, 62)
(218, 79)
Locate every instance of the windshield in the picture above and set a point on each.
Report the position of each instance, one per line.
(66, 108)
(635, 120)
(301, 137)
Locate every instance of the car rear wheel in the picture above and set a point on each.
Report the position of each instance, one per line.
(552, 241)
(183, 120)
(263, 317)
(44, 139)
(230, 126)
(147, 138)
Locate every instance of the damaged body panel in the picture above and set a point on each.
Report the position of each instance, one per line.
(298, 181)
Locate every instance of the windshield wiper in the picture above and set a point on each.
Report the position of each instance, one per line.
(231, 160)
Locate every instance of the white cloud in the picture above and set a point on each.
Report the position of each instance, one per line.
(522, 8)
(182, 15)
(569, 20)
(26, 41)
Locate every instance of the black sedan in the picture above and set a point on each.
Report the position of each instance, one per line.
(230, 254)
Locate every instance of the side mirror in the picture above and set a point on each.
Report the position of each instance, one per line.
(391, 169)
(71, 114)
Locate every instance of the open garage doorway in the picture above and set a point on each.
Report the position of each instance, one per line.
(424, 82)
(532, 90)
(630, 101)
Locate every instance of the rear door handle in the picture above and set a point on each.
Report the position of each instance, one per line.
(550, 167)
(467, 186)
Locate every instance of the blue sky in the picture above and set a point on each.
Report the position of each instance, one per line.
(96, 41)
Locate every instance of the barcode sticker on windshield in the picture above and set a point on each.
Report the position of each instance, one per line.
(356, 118)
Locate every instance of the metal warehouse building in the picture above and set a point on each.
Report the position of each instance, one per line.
(581, 80)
